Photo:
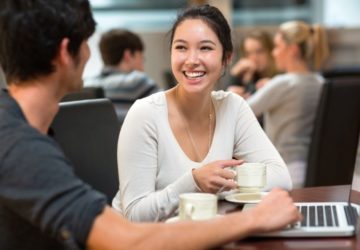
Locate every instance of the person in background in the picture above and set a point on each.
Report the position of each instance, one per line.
(256, 66)
(289, 101)
(189, 134)
(123, 78)
(43, 204)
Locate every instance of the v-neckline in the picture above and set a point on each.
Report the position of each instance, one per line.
(177, 142)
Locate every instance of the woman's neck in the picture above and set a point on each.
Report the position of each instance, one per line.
(193, 106)
(297, 66)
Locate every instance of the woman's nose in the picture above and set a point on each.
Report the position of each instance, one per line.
(192, 57)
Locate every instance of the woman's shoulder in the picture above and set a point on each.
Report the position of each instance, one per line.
(282, 78)
(224, 99)
(150, 104)
(283, 81)
(221, 95)
(308, 79)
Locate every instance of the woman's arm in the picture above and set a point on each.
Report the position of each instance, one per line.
(138, 168)
(253, 145)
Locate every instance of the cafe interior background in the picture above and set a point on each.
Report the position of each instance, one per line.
(152, 20)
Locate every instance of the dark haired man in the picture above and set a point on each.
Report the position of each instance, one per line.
(43, 205)
(123, 78)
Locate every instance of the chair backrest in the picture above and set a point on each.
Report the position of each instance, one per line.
(333, 146)
(85, 93)
(88, 131)
(341, 72)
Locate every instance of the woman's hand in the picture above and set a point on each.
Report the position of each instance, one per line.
(261, 82)
(214, 176)
(244, 67)
(274, 212)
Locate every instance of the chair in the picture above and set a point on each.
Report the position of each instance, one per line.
(341, 72)
(334, 145)
(85, 93)
(87, 131)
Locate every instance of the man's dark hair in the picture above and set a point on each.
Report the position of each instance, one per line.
(32, 30)
(114, 42)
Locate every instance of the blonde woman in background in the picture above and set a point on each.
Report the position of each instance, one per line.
(289, 101)
(256, 66)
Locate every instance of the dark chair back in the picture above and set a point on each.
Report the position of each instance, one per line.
(88, 131)
(85, 93)
(333, 147)
(341, 72)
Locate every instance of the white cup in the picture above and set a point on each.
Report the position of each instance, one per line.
(197, 206)
(251, 177)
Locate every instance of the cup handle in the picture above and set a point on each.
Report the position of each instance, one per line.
(189, 210)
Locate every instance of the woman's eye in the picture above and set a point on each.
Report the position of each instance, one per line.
(206, 48)
(180, 47)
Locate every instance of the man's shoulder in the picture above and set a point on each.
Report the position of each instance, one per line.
(15, 132)
(125, 80)
(119, 86)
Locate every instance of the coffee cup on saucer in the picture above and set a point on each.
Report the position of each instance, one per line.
(251, 177)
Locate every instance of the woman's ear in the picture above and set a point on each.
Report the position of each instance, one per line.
(294, 50)
(229, 58)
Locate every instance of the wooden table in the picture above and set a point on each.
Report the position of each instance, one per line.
(331, 193)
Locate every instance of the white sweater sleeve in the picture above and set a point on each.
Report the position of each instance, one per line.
(253, 145)
(138, 167)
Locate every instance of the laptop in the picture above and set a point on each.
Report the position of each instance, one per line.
(326, 219)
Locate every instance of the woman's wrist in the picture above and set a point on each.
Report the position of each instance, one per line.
(195, 180)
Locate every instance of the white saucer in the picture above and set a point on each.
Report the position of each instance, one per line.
(177, 219)
(245, 197)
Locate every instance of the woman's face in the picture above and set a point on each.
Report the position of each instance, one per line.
(196, 56)
(280, 52)
(255, 52)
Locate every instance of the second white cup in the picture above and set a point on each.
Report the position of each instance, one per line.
(197, 206)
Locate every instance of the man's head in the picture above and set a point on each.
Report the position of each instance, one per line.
(119, 47)
(32, 32)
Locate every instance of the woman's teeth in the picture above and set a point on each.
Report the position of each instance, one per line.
(194, 74)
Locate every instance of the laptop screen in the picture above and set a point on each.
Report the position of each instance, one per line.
(355, 190)
(355, 186)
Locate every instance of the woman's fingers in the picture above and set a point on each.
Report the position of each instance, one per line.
(229, 163)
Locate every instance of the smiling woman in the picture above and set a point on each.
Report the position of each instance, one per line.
(189, 135)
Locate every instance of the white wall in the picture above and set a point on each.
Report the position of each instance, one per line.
(341, 13)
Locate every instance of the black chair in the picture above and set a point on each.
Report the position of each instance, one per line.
(85, 93)
(88, 131)
(341, 72)
(334, 145)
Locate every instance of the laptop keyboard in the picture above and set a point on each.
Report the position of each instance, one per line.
(324, 215)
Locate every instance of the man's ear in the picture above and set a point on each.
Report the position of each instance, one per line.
(127, 56)
(63, 56)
